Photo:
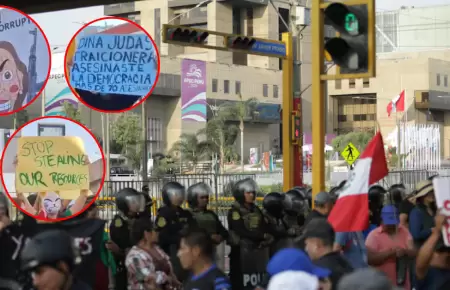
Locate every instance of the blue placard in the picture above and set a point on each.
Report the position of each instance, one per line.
(269, 48)
(115, 63)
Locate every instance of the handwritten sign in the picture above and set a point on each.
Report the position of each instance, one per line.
(442, 194)
(115, 63)
(51, 164)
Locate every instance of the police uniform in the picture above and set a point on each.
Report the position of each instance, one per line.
(170, 221)
(296, 205)
(248, 237)
(274, 211)
(205, 218)
(119, 231)
(148, 211)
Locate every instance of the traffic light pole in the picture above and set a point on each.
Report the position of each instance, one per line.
(297, 105)
(287, 109)
(318, 98)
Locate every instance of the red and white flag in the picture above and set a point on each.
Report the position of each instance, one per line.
(397, 104)
(351, 211)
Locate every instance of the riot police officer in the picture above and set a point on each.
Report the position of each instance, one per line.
(395, 195)
(129, 203)
(248, 236)
(295, 206)
(171, 220)
(49, 251)
(198, 199)
(148, 202)
(273, 210)
(376, 196)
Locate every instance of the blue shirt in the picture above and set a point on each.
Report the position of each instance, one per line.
(436, 279)
(354, 248)
(213, 279)
(369, 229)
(420, 224)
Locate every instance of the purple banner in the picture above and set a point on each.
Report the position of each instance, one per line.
(193, 90)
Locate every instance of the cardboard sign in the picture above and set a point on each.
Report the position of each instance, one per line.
(441, 187)
(51, 164)
(124, 64)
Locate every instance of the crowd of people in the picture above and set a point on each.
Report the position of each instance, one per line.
(282, 245)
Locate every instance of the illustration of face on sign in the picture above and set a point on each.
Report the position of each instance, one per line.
(52, 205)
(13, 78)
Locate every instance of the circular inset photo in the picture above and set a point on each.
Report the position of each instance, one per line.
(53, 168)
(25, 60)
(113, 69)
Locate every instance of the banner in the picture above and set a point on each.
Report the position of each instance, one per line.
(115, 63)
(51, 164)
(87, 233)
(193, 90)
(441, 186)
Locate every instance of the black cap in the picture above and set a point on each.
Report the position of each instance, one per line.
(319, 228)
(323, 198)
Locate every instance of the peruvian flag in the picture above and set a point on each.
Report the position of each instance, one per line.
(397, 104)
(351, 211)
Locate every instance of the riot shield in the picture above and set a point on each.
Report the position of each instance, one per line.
(253, 265)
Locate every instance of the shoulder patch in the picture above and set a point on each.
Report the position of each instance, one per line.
(118, 223)
(161, 222)
(235, 215)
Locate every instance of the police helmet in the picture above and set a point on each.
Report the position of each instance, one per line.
(294, 201)
(309, 197)
(243, 186)
(273, 204)
(49, 248)
(396, 194)
(173, 193)
(130, 200)
(4, 205)
(376, 193)
(196, 190)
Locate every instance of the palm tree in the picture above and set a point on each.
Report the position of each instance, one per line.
(192, 149)
(242, 111)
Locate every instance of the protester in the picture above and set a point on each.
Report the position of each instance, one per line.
(148, 267)
(390, 246)
(319, 237)
(323, 203)
(196, 254)
(51, 258)
(352, 245)
(433, 260)
(294, 280)
(405, 208)
(291, 259)
(421, 220)
(365, 279)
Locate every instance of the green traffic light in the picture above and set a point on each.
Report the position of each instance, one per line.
(351, 24)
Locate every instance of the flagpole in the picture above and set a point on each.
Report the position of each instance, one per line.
(43, 103)
(398, 141)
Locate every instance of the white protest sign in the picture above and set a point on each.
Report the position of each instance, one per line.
(441, 187)
(115, 64)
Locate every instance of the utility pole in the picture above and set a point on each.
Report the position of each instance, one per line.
(144, 143)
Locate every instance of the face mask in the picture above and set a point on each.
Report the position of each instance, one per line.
(52, 203)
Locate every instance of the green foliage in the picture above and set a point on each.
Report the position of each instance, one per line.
(191, 150)
(127, 134)
(72, 112)
(21, 118)
(359, 139)
(242, 110)
(265, 189)
(162, 166)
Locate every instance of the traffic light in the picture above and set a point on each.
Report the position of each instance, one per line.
(239, 42)
(296, 127)
(184, 35)
(352, 49)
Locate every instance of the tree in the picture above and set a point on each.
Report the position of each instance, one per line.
(72, 112)
(241, 111)
(127, 133)
(21, 118)
(359, 139)
(189, 148)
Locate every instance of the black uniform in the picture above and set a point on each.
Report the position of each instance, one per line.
(148, 211)
(170, 221)
(248, 238)
(119, 230)
(205, 218)
(274, 211)
(295, 206)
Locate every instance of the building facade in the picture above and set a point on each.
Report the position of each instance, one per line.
(228, 74)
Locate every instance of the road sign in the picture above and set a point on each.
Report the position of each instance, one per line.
(275, 49)
(350, 153)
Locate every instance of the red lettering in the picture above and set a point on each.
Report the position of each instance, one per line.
(447, 205)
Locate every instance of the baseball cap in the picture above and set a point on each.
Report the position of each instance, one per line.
(293, 280)
(292, 259)
(319, 228)
(323, 198)
(365, 279)
(389, 215)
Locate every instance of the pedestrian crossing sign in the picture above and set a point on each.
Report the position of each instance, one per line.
(350, 153)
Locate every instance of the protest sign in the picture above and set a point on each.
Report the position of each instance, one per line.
(51, 164)
(442, 194)
(115, 63)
